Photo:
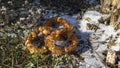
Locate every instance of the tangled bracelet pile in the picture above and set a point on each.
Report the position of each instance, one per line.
(51, 34)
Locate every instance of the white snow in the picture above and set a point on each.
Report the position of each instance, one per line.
(118, 40)
(93, 62)
(108, 31)
(101, 48)
(115, 47)
(93, 15)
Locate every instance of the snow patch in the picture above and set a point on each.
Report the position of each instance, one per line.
(93, 15)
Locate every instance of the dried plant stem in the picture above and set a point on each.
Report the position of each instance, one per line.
(12, 60)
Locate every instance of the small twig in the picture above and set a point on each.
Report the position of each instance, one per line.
(101, 59)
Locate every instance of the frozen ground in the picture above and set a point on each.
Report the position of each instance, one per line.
(96, 42)
(95, 38)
